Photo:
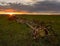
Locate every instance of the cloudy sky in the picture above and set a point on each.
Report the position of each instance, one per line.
(27, 1)
(22, 1)
(31, 5)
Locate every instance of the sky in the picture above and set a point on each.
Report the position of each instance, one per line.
(22, 1)
(26, 1)
(31, 5)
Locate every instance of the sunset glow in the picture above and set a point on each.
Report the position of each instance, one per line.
(19, 13)
(12, 11)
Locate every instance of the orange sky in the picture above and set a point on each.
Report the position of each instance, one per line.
(12, 11)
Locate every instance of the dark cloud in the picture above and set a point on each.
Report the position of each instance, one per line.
(38, 7)
(47, 6)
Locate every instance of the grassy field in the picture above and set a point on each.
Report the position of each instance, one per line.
(14, 34)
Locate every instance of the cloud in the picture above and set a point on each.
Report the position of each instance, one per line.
(30, 2)
(25, 2)
(37, 7)
(47, 6)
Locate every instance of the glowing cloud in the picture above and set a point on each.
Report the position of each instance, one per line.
(25, 2)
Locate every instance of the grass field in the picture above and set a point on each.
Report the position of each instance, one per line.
(14, 34)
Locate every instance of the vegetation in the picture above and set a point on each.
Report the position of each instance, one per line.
(14, 34)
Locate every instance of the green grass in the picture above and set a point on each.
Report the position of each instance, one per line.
(14, 34)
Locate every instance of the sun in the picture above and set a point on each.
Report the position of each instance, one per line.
(11, 14)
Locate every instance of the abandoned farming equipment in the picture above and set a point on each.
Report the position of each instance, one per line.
(40, 31)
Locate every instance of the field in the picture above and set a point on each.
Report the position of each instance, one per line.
(14, 34)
